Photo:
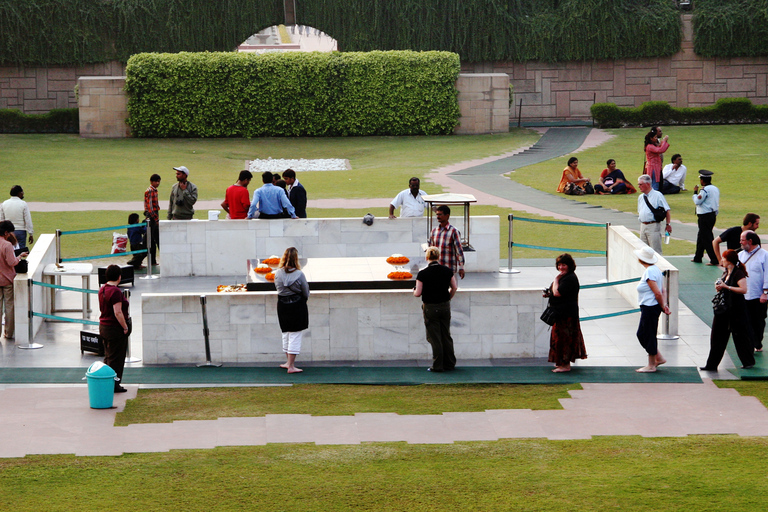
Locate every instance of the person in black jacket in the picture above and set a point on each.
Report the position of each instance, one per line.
(566, 344)
(297, 194)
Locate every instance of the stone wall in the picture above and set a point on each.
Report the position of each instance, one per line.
(483, 103)
(103, 107)
(38, 90)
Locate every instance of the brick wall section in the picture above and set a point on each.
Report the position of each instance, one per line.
(103, 107)
(567, 90)
(483, 103)
(38, 90)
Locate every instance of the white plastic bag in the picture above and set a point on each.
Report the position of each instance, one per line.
(119, 243)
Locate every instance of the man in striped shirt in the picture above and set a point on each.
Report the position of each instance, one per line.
(152, 213)
(446, 238)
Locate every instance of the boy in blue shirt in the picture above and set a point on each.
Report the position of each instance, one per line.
(137, 239)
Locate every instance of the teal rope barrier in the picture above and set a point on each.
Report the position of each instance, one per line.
(117, 254)
(607, 315)
(96, 230)
(60, 287)
(612, 283)
(561, 222)
(65, 319)
(557, 249)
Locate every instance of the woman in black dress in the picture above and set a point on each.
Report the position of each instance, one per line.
(566, 344)
(292, 312)
(732, 321)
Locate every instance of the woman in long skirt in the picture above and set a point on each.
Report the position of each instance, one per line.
(292, 312)
(566, 344)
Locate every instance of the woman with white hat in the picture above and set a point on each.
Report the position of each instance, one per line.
(650, 296)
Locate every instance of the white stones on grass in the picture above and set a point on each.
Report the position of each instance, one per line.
(278, 165)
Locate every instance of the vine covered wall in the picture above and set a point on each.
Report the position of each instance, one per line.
(731, 28)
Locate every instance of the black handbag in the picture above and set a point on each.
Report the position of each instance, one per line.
(22, 267)
(549, 316)
(719, 303)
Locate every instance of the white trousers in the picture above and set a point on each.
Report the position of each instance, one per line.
(651, 234)
(292, 342)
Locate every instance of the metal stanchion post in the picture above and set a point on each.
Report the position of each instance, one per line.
(58, 247)
(607, 224)
(665, 335)
(30, 318)
(207, 362)
(509, 269)
(149, 255)
(128, 357)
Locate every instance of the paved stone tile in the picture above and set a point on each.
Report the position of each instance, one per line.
(335, 430)
(290, 428)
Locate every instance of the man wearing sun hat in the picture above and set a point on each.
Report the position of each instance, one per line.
(183, 196)
(707, 201)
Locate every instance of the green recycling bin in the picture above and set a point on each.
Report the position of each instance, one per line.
(101, 385)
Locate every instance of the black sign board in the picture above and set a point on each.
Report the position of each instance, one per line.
(92, 342)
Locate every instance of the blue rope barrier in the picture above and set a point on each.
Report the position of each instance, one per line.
(117, 254)
(607, 315)
(612, 283)
(561, 222)
(96, 230)
(60, 287)
(557, 249)
(65, 319)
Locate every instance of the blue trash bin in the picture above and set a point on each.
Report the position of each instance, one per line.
(101, 385)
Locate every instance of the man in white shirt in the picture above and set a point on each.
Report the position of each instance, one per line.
(410, 201)
(650, 228)
(17, 211)
(755, 260)
(673, 176)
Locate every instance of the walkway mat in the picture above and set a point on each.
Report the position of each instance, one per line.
(358, 375)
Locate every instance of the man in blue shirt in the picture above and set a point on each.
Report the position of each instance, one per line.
(707, 201)
(269, 201)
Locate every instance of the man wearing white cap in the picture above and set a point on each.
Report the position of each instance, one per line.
(183, 196)
(707, 201)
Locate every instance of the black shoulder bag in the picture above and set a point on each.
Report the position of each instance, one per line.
(659, 214)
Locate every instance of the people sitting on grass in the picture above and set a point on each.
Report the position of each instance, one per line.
(612, 181)
(573, 183)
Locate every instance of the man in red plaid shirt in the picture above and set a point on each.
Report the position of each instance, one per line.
(152, 212)
(446, 238)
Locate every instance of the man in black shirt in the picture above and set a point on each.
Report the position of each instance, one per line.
(732, 235)
(436, 285)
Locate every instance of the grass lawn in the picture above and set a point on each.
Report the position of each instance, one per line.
(166, 405)
(702, 473)
(119, 169)
(736, 154)
(756, 388)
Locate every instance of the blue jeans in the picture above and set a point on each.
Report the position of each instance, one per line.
(21, 236)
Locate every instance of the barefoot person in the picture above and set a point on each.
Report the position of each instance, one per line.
(292, 312)
(650, 295)
(566, 344)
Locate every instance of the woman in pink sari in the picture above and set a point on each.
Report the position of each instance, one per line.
(654, 148)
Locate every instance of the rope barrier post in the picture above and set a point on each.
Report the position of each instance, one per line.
(149, 256)
(207, 363)
(665, 334)
(607, 252)
(509, 269)
(58, 246)
(128, 357)
(31, 327)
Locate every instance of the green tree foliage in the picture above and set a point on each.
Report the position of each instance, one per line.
(731, 28)
(292, 94)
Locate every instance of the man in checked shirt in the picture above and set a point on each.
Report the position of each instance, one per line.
(446, 238)
(151, 212)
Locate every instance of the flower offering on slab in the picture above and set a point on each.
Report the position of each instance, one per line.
(231, 288)
(270, 277)
(397, 259)
(272, 261)
(263, 268)
(399, 275)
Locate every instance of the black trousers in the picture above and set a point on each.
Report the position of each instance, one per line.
(704, 238)
(723, 327)
(115, 347)
(437, 320)
(756, 311)
(649, 326)
(154, 233)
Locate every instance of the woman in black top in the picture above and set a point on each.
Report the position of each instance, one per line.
(436, 285)
(566, 344)
(732, 321)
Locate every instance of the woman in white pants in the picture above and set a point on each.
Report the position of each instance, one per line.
(292, 312)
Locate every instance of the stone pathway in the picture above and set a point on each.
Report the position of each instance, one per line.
(52, 420)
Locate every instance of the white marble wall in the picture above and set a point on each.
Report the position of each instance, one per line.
(623, 264)
(221, 248)
(43, 253)
(352, 325)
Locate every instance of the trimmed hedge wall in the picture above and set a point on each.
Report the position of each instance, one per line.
(731, 28)
(292, 94)
(724, 111)
(61, 120)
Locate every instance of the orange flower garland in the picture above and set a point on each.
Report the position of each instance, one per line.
(262, 269)
(270, 277)
(397, 260)
(399, 275)
(271, 261)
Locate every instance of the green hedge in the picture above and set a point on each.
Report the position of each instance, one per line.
(724, 111)
(731, 28)
(61, 120)
(292, 94)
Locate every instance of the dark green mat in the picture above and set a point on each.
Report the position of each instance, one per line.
(358, 375)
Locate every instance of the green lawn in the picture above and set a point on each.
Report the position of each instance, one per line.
(736, 154)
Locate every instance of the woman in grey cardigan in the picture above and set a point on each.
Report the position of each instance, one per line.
(292, 313)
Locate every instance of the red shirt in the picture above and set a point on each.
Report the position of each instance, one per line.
(238, 201)
(110, 295)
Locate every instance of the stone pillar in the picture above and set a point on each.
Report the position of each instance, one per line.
(483, 103)
(103, 107)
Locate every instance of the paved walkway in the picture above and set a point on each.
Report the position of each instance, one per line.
(58, 420)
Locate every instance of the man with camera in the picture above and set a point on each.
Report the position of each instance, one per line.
(183, 196)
